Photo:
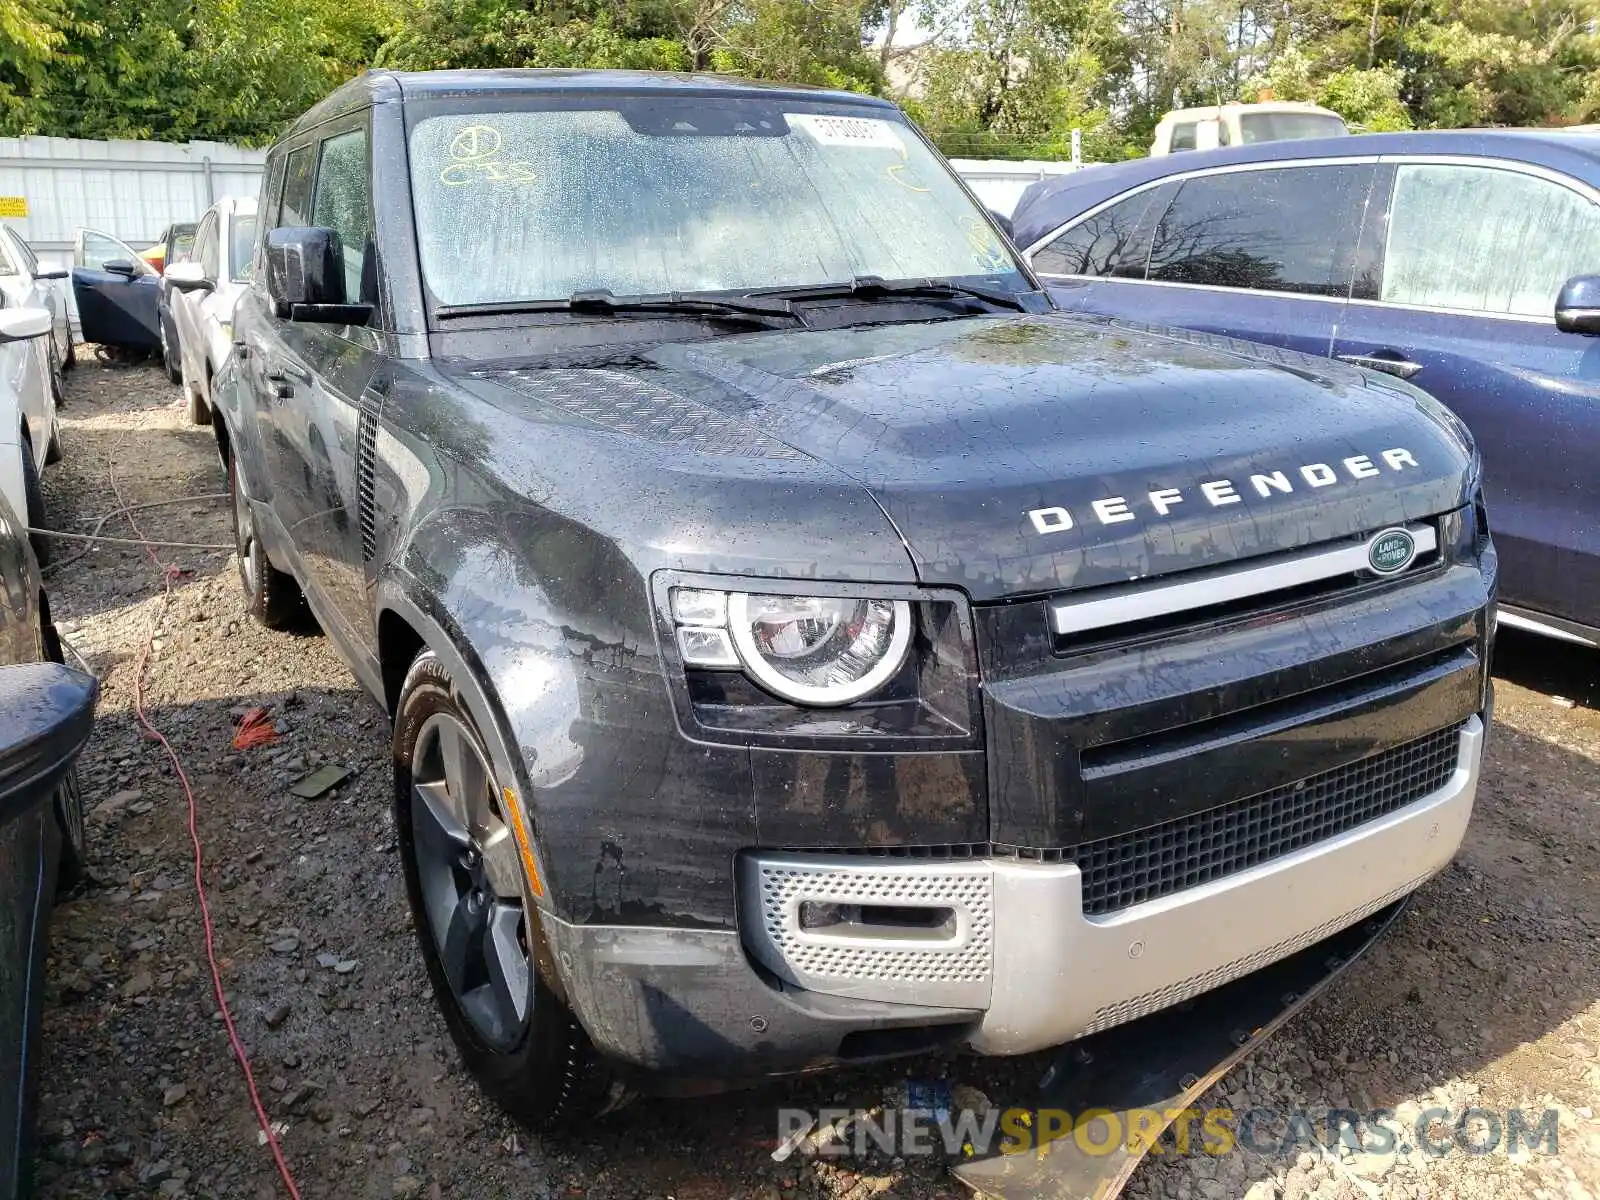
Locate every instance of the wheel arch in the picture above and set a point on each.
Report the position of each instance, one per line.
(409, 621)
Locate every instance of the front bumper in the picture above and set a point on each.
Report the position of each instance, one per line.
(1015, 965)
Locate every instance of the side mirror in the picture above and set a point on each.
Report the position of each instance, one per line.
(1578, 305)
(49, 713)
(1004, 222)
(52, 273)
(188, 277)
(305, 277)
(120, 266)
(20, 324)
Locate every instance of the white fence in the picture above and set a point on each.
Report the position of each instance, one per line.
(131, 190)
(1000, 183)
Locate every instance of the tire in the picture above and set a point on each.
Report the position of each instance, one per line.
(58, 393)
(35, 500)
(271, 596)
(72, 868)
(53, 452)
(539, 1064)
(169, 360)
(71, 360)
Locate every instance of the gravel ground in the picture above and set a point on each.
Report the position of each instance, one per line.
(1485, 994)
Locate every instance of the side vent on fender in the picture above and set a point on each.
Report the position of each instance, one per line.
(366, 456)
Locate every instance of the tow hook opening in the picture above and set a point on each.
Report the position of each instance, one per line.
(932, 922)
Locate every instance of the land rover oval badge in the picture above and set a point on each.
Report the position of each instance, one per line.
(1391, 551)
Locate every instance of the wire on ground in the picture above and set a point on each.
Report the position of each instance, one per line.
(169, 572)
(124, 510)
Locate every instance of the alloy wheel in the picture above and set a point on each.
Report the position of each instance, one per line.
(470, 880)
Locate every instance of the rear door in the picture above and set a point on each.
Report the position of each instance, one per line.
(1463, 259)
(1263, 251)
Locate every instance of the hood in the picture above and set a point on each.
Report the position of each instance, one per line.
(1020, 455)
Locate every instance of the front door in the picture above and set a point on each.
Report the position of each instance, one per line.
(320, 373)
(117, 293)
(188, 307)
(1468, 262)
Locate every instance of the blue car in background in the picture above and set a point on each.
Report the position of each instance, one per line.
(1467, 263)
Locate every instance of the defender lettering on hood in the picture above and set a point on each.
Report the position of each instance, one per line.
(1115, 510)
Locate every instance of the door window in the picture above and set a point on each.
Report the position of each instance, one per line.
(1114, 241)
(296, 208)
(242, 241)
(205, 246)
(26, 259)
(1183, 137)
(1291, 229)
(181, 244)
(343, 203)
(96, 249)
(1485, 239)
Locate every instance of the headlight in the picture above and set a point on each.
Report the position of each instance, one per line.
(814, 650)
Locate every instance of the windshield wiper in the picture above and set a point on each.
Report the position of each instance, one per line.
(603, 301)
(874, 287)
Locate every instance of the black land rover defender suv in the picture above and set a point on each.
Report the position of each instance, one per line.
(795, 630)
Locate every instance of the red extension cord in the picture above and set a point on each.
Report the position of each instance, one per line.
(169, 572)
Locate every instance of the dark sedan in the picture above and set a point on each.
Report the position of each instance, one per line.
(1464, 262)
(46, 711)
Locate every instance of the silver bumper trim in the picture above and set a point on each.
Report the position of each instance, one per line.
(1018, 946)
(1125, 604)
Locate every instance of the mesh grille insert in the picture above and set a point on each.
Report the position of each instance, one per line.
(1146, 864)
(1131, 868)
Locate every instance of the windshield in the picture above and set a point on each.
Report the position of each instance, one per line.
(1285, 126)
(651, 196)
(243, 237)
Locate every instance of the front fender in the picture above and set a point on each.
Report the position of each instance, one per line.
(548, 630)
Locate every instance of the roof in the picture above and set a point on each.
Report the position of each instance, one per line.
(1053, 202)
(377, 86)
(244, 206)
(1263, 106)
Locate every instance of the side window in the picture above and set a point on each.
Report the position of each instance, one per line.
(94, 250)
(1291, 229)
(296, 208)
(26, 258)
(343, 203)
(267, 205)
(10, 259)
(182, 244)
(1183, 137)
(1114, 241)
(242, 240)
(1485, 240)
(205, 246)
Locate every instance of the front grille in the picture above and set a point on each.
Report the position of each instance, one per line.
(1131, 868)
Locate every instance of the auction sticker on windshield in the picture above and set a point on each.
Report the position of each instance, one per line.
(847, 131)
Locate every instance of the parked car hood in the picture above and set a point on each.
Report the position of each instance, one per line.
(1019, 455)
(1025, 454)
